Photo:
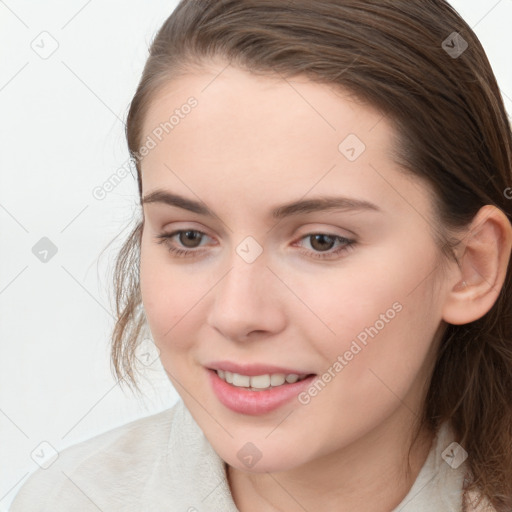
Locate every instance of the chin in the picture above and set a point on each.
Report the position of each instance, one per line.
(262, 457)
(269, 466)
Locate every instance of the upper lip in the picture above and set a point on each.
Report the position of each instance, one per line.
(252, 369)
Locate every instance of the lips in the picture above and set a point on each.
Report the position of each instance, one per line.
(256, 388)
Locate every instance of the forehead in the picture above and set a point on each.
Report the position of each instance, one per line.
(270, 138)
(262, 107)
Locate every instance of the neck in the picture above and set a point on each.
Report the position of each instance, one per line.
(373, 474)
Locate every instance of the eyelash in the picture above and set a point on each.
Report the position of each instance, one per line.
(164, 238)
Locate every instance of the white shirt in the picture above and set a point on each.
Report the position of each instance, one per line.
(165, 463)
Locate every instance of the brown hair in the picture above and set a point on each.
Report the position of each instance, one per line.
(397, 55)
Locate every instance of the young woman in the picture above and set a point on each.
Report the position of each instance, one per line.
(323, 262)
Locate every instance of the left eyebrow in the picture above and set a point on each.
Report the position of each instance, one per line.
(323, 204)
(287, 210)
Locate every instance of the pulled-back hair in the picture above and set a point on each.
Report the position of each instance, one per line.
(400, 57)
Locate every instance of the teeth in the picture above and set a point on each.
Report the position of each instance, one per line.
(258, 382)
(277, 379)
(241, 381)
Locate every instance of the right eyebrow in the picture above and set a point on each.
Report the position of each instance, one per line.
(162, 196)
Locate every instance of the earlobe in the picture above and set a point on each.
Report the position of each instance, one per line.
(483, 267)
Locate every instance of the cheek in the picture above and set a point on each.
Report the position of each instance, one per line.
(379, 312)
(378, 357)
(169, 296)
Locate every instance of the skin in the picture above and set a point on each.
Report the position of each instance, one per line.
(252, 144)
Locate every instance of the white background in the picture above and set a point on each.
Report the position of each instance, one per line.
(62, 136)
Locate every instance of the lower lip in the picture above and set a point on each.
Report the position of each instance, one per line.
(245, 401)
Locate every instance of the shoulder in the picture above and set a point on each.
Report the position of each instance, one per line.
(104, 468)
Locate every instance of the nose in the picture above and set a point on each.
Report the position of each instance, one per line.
(248, 302)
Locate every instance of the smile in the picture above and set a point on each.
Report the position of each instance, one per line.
(258, 393)
(259, 382)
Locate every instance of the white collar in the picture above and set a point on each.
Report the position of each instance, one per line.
(195, 475)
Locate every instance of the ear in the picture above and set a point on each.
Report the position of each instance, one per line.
(483, 261)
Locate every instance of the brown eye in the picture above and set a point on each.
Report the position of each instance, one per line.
(183, 242)
(322, 242)
(325, 246)
(189, 238)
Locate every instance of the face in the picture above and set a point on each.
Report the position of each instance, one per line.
(298, 249)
